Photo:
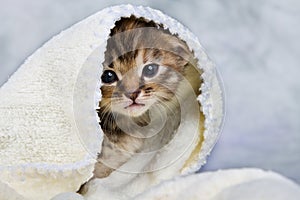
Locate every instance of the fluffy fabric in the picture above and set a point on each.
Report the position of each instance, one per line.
(49, 131)
(234, 184)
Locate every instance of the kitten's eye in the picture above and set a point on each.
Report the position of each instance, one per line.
(109, 76)
(150, 70)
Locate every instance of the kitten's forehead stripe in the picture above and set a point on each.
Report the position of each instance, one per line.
(156, 53)
(111, 65)
(145, 58)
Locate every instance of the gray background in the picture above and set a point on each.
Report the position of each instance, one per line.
(254, 43)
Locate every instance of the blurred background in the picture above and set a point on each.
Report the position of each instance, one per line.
(255, 45)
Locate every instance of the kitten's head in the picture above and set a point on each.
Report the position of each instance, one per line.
(143, 67)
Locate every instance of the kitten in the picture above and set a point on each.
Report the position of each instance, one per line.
(143, 68)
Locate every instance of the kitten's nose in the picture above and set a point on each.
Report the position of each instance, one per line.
(132, 95)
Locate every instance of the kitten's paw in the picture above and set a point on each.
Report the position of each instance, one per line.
(102, 171)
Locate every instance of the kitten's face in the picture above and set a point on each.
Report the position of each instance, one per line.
(142, 68)
(132, 86)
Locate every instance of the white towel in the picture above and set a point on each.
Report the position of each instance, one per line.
(49, 131)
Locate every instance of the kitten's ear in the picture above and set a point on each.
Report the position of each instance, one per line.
(182, 52)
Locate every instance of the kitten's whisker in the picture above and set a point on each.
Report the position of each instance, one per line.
(167, 105)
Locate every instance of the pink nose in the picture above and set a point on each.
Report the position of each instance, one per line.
(132, 95)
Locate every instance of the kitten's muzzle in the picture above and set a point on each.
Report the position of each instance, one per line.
(132, 95)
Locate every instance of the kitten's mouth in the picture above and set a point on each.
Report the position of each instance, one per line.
(135, 105)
